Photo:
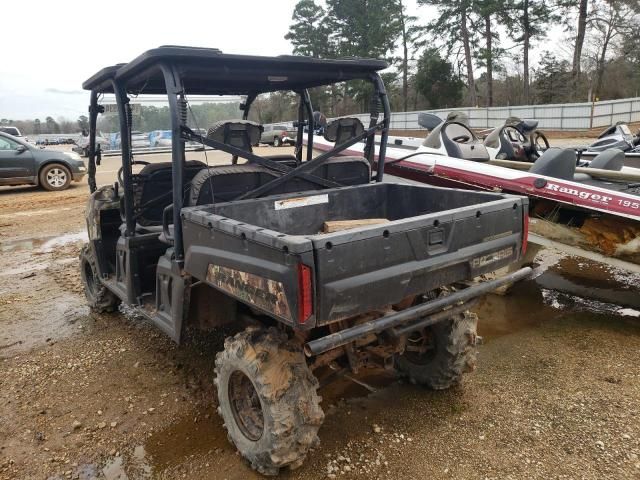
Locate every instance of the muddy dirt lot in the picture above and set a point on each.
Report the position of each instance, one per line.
(556, 393)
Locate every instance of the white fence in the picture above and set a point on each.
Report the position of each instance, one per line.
(562, 116)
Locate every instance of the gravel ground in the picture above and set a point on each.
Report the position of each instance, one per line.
(555, 395)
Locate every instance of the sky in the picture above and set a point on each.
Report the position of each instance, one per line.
(50, 48)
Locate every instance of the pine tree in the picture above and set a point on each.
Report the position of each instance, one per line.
(436, 81)
(309, 32)
(454, 26)
(527, 22)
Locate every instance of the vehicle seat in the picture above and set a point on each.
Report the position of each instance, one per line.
(556, 163)
(612, 159)
(242, 134)
(527, 126)
(155, 181)
(469, 149)
(286, 159)
(343, 129)
(226, 183)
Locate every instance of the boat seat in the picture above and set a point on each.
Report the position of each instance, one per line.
(528, 126)
(556, 163)
(611, 159)
(461, 142)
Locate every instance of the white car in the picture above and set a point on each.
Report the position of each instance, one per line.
(139, 140)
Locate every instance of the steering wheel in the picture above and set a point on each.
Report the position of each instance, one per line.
(537, 143)
(135, 162)
(540, 141)
(514, 135)
(461, 138)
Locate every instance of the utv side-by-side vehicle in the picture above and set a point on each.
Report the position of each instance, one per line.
(327, 264)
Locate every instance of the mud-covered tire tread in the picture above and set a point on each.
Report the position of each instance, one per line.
(455, 355)
(291, 406)
(103, 300)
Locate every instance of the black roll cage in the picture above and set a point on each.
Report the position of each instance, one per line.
(176, 95)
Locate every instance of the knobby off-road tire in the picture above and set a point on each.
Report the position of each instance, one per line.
(451, 353)
(100, 298)
(267, 399)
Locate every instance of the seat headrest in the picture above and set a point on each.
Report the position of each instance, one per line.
(237, 133)
(524, 126)
(556, 163)
(343, 129)
(459, 117)
(612, 159)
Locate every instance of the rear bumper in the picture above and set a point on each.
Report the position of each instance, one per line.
(425, 314)
(77, 177)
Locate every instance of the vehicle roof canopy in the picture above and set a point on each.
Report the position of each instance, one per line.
(208, 71)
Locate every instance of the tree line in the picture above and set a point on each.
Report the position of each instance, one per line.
(48, 126)
(470, 53)
(475, 52)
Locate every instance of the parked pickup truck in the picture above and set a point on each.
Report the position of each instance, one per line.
(278, 135)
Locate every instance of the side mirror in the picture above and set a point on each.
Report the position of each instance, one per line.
(21, 149)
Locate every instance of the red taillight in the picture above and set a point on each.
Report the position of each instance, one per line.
(284, 133)
(305, 293)
(525, 233)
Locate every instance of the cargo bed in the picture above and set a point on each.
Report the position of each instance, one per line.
(261, 251)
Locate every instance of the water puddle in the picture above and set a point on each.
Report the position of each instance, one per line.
(592, 286)
(64, 240)
(521, 308)
(43, 244)
(204, 435)
(114, 469)
(568, 285)
(189, 436)
(37, 325)
(18, 245)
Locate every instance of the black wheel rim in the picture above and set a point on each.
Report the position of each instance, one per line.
(421, 347)
(246, 406)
